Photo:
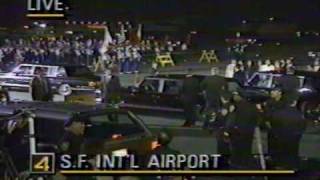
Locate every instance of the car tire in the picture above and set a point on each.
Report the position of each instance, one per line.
(65, 90)
(40, 89)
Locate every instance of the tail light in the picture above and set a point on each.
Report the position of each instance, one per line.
(116, 136)
(154, 145)
(92, 84)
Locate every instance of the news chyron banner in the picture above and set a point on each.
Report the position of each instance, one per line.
(121, 163)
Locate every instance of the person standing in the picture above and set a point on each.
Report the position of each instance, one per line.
(113, 88)
(240, 129)
(287, 126)
(190, 96)
(214, 89)
(230, 69)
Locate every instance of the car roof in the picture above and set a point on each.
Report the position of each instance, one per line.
(54, 64)
(174, 76)
(308, 74)
(55, 110)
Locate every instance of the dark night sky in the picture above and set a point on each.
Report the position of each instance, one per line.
(303, 12)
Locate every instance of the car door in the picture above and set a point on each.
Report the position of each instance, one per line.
(170, 95)
(146, 95)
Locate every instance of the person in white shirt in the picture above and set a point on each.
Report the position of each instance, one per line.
(267, 66)
(230, 69)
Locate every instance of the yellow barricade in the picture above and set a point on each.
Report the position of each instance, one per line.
(209, 56)
(164, 60)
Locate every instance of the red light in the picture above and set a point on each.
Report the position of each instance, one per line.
(116, 136)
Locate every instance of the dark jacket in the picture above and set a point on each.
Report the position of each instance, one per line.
(190, 90)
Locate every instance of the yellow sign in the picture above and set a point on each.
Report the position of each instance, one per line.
(209, 56)
(164, 60)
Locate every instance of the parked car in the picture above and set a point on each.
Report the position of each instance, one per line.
(158, 94)
(108, 130)
(63, 79)
(306, 84)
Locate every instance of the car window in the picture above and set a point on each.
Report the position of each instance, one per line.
(290, 82)
(107, 126)
(24, 70)
(62, 72)
(41, 71)
(261, 80)
(78, 71)
(150, 85)
(172, 87)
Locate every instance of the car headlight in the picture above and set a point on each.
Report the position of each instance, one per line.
(120, 152)
(304, 90)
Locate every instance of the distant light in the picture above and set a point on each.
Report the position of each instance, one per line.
(94, 31)
(260, 44)
(36, 23)
(278, 44)
(69, 32)
(81, 22)
(97, 22)
(66, 22)
(238, 34)
(271, 18)
(244, 22)
(26, 27)
(307, 32)
(193, 32)
(298, 34)
(74, 22)
(303, 90)
(43, 25)
(52, 32)
(104, 23)
(89, 22)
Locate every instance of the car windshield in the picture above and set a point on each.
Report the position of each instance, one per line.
(150, 85)
(260, 80)
(111, 125)
(23, 70)
(80, 71)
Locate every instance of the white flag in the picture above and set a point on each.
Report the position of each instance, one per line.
(107, 40)
(139, 32)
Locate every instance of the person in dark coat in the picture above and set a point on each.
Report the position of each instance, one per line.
(113, 88)
(287, 126)
(40, 87)
(240, 75)
(240, 129)
(190, 97)
(17, 144)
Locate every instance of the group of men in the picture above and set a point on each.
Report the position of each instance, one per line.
(237, 119)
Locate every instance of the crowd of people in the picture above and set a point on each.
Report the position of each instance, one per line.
(242, 70)
(124, 50)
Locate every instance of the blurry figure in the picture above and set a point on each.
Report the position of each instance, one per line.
(267, 66)
(241, 130)
(249, 69)
(240, 75)
(190, 97)
(230, 69)
(215, 93)
(113, 88)
(287, 126)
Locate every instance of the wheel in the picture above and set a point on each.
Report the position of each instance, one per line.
(65, 90)
(40, 89)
